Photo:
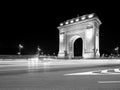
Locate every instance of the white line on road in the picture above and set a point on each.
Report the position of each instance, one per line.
(117, 70)
(108, 81)
(104, 71)
(98, 72)
(81, 73)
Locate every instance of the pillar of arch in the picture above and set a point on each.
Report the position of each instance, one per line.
(86, 28)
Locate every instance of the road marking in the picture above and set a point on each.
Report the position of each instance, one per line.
(104, 71)
(108, 81)
(117, 70)
(82, 73)
(98, 72)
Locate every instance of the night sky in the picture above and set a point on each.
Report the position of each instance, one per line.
(35, 24)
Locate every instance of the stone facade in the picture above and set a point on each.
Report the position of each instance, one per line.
(85, 27)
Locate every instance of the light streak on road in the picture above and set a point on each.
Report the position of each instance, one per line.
(35, 64)
(108, 82)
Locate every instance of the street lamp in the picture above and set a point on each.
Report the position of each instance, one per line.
(53, 54)
(20, 47)
(116, 49)
(38, 50)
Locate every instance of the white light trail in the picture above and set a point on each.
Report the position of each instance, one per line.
(108, 82)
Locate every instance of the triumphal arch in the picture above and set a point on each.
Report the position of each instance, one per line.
(85, 27)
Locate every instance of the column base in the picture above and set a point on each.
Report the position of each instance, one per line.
(61, 55)
(88, 55)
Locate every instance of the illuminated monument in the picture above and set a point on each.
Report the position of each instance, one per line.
(85, 27)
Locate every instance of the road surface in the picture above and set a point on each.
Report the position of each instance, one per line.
(21, 77)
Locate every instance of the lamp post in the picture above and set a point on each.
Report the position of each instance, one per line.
(20, 47)
(116, 49)
(38, 50)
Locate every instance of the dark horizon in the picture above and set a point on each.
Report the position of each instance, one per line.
(34, 26)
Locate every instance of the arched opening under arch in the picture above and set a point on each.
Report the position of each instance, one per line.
(78, 48)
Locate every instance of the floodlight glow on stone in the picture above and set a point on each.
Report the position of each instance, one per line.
(61, 37)
(89, 33)
(83, 17)
(77, 20)
(90, 16)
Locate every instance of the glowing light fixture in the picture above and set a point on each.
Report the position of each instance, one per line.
(66, 22)
(61, 24)
(90, 16)
(77, 19)
(71, 21)
(83, 17)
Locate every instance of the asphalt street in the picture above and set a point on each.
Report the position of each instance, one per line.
(74, 78)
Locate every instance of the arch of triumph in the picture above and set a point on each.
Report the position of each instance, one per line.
(85, 27)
